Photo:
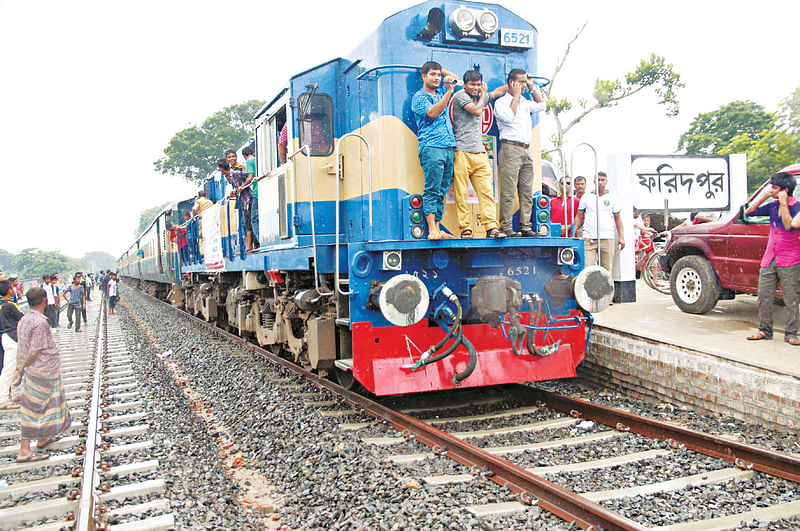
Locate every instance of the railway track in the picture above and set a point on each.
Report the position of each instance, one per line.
(550, 421)
(99, 472)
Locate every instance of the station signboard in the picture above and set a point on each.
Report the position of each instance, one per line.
(689, 182)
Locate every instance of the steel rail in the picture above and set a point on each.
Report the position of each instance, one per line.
(742, 455)
(531, 488)
(86, 517)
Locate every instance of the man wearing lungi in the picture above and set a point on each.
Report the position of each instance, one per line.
(43, 413)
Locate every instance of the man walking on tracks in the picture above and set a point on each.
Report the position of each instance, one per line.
(43, 414)
(781, 260)
(75, 295)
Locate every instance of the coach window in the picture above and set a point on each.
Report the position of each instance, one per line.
(316, 122)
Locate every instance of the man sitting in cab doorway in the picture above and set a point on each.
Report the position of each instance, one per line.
(436, 142)
(471, 162)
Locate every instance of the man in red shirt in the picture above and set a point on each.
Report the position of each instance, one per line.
(563, 211)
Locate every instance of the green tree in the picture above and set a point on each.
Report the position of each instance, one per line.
(97, 260)
(710, 132)
(146, 217)
(789, 113)
(772, 151)
(33, 263)
(194, 151)
(654, 73)
(6, 260)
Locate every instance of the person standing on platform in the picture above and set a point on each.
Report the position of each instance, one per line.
(44, 414)
(515, 125)
(781, 260)
(564, 208)
(471, 162)
(75, 295)
(112, 293)
(600, 239)
(10, 316)
(52, 300)
(436, 142)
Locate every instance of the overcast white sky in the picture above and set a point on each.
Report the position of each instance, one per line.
(93, 91)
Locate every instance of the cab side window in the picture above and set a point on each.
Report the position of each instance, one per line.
(316, 122)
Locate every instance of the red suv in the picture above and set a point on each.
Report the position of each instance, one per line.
(717, 260)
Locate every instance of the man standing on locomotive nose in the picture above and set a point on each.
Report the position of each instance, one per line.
(436, 142)
(513, 113)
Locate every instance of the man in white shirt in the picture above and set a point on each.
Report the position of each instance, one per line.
(50, 310)
(514, 121)
(611, 230)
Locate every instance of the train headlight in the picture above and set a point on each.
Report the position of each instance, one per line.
(403, 300)
(487, 23)
(566, 256)
(593, 288)
(417, 231)
(462, 21)
(392, 260)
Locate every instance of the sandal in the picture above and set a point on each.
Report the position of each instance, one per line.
(794, 341)
(435, 236)
(47, 442)
(466, 234)
(495, 233)
(33, 458)
(758, 336)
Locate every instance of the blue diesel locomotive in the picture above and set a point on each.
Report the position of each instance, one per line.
(345, 280)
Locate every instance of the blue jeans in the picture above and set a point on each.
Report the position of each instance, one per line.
(437, 165)
(254, 221)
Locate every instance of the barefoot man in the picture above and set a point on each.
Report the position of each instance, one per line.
(43, 414)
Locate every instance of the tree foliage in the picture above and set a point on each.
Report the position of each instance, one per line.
(712, 131)
(33, 263)
(146, 217)
(193, 152)
(771, 141)
(6, 260)
(96, 260)
(653, 73)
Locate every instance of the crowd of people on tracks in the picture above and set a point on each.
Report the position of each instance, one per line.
(30, 366)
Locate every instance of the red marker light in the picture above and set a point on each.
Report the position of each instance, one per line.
(543, 201)
(416, 201)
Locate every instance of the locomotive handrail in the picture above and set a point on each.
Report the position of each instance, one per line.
(363, 74)
(336, 174)
(596, 195)
(307, 151)
(570, 227)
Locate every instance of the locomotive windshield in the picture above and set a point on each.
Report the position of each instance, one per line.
(316, 122)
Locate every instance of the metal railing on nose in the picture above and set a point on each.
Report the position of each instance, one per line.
(596, 192)
(338, 191)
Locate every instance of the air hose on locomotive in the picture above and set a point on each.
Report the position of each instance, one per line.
(454, 332)
(544, 350)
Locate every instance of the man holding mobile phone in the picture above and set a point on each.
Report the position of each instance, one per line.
(436, 142)
(513, 112)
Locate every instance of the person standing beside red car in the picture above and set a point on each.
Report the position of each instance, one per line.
(781, 260)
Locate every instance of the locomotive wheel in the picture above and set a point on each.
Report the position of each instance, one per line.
(345, 378)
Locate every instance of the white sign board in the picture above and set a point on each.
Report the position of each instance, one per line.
(691, 183)
(212, 237)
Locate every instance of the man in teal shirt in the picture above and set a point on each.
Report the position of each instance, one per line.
(250, 172)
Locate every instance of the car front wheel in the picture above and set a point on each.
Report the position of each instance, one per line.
(694, 285)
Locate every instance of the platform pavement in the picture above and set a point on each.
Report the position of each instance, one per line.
(722, 332)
